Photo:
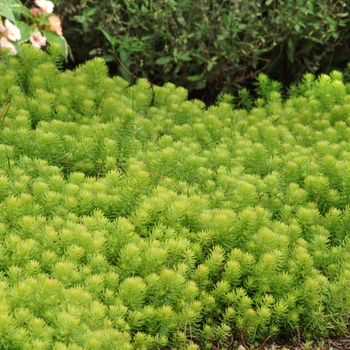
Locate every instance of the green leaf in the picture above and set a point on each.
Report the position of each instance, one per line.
(111, 39)
(95, 52)
(194, 77)
(181, 20)
(292, 44)
(144, 9)
(268, 2)
(200, 85)
(26, 31)
(6, 12)
(19, 8)
(60, 40)
(90, 11)
(212, 63)
(175, 53)
(163, 60)
(184, 57)
(109, 58)
(125, 57)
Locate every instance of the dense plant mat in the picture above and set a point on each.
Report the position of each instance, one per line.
(132, 218)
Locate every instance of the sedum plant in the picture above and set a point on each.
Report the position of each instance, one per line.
(132, 218)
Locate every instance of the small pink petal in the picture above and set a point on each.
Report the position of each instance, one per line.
(37, 39)
(44, 5)
(11, 32)
(55, 25)
(8, 45)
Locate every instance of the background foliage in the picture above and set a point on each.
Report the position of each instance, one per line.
(209, 44)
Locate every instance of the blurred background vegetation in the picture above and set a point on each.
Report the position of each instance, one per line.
(209, 46)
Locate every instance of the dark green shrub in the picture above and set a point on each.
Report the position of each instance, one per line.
(202, 43)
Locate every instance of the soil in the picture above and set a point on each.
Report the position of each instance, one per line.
(340, 343)
(337, 343)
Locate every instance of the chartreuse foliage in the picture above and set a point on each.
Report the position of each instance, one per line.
(132, 218)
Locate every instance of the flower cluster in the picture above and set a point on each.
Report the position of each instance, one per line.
(9, 32)
(42, 18)
(44, 10)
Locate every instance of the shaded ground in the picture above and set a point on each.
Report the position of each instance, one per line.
(340, 343)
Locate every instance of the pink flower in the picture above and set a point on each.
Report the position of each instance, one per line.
(44, 6)
(34, 11)
(37, 39)
(10, 31)
(8, 45)
(55, 25)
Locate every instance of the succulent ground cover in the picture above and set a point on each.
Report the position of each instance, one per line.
(133, 218)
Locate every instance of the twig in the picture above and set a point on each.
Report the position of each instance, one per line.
(264, 342)
(135, 78)
(231, 342)
(298, 339)
(244, 343)
(127, 70)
